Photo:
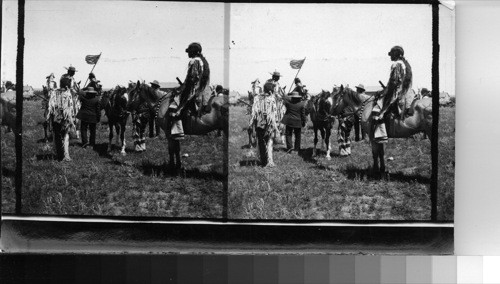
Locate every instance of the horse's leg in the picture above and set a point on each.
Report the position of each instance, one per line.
(328, 132)
(250, 142)
(315, 139)
(171, 153)
(122, 138)
(118, 131)
(177, 145)
(381, 154)
(375, 155)
(110, 143)
(322, 131)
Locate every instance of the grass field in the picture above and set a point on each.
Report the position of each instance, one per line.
(306, 187)
(96, 183)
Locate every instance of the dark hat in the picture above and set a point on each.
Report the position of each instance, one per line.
(90, 90)
(297, 80)
(295, 95)
(155, 82)
(424, 91)
(218, 88)
(275, 73)
(91, 75)
(51, 75)
(396, 50)
(71, 68)
(195, 46)
(361, 86)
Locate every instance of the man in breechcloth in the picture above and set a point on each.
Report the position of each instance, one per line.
(263, 118)
(400, 82)
(193, 93)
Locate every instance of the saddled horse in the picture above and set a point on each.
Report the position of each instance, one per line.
(418, 118)
(216, 119)
(319, 108)
(114, 103)
(8, 114)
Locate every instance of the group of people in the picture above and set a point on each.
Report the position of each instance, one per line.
(67, 105)
(71, 110)
(266, 105)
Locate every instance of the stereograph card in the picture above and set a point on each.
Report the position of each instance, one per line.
(228, 127)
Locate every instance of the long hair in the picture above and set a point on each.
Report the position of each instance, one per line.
(205, 77)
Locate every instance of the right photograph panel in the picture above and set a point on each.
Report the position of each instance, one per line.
(331, 113)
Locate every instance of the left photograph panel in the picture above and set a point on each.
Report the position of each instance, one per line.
(123, 109)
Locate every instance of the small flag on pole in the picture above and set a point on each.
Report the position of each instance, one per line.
(92, 59)
(296, 64)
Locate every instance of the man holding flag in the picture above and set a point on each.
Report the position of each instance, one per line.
(93, 59)
(297, 64)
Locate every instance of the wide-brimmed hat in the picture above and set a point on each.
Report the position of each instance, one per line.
(194, 46)
(295, 94)
(71, 68)
(90, 90)
(51, 75)
(155, 82)
(361, 86)
(275, 73)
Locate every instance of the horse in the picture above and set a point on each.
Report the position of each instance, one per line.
(319, 108)
(216, 119)
(8, 114)
(418, 118)
(114, 103)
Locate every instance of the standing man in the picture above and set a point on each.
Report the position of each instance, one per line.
(263, 118)
(400, 81)
(299, 88)
(152, 115)
(48, 91)
(89, 115)
(360, 89)
(61, 114)
(68, 82)
(294, 119)
(194, 92)
(94, 83)
(278, 94)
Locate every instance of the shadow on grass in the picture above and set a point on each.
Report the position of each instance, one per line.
(307, 154)
(164, 169)
(43, 140)
(8, 172)
(48, 156)
(250, 163)
(357, 173)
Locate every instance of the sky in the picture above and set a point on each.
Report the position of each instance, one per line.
(342, 43)
(138, 40)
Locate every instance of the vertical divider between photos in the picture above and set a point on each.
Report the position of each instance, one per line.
(19, 107)
(225, 164)
(435, 109)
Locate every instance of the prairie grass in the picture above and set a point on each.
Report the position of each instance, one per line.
(98, 183)
(306, 187)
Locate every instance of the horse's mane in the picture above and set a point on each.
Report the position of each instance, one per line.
(351, 95)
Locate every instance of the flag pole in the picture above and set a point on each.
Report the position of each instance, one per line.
(297, 75)
(85, 85)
